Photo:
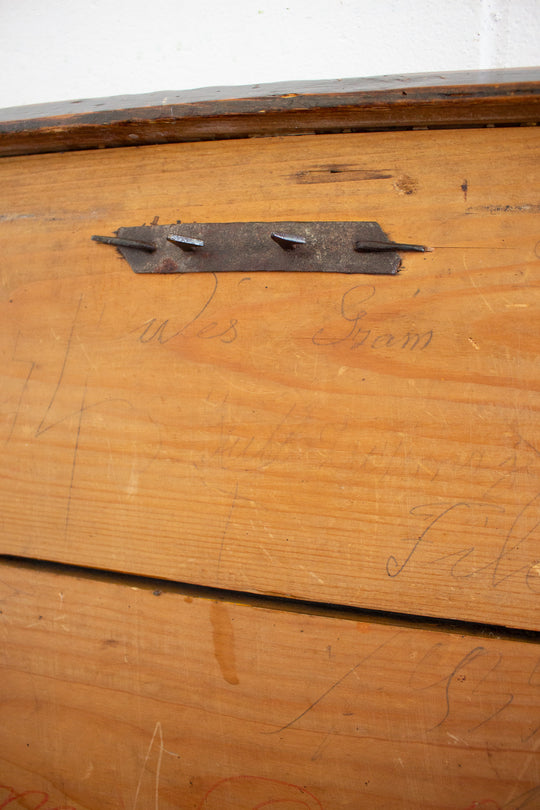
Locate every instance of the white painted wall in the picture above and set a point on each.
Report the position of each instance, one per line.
(66, 49)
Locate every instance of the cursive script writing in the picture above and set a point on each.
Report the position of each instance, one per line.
(517, 553)
(360, 333)
(470, 687)
(162, 331)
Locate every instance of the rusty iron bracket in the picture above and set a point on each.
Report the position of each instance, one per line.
(218, 247)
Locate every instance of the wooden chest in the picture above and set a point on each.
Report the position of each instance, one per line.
(273, 538)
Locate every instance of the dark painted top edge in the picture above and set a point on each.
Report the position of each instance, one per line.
(500, 82)
(456, 99)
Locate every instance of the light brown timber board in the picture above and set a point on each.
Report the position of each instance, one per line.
(282, 434)
(122, 696)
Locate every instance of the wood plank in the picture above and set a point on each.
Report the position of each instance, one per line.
(460, 98)
(373, 442)
(121, 695)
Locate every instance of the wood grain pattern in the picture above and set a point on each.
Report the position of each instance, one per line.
(461, 98)
(121, 695)
(368, 442)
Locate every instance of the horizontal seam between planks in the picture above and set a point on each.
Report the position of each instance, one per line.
(159, 586)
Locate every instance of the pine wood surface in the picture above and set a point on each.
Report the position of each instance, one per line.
(356, 440)
(456, 98)
(121, 695)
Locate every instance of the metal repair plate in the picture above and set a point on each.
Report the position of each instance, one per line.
(247, 247)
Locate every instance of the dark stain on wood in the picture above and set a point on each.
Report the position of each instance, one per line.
(339, 173)
(525, 208)
(406, 185)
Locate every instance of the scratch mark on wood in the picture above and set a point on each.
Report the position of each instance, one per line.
(524, 800)
(41, 429)
(482, 296)
(74, 462)
(91, 406)
(531, 446)
(158, 732)
(19, 403)
(337, 683)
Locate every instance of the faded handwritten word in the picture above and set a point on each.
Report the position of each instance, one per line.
(257, 452)
(162, 331)
(517, 553)
(360, 333)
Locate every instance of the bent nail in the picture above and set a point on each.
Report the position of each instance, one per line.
(286, 241)
(117, 241)
(371, 246)
(185, 242)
